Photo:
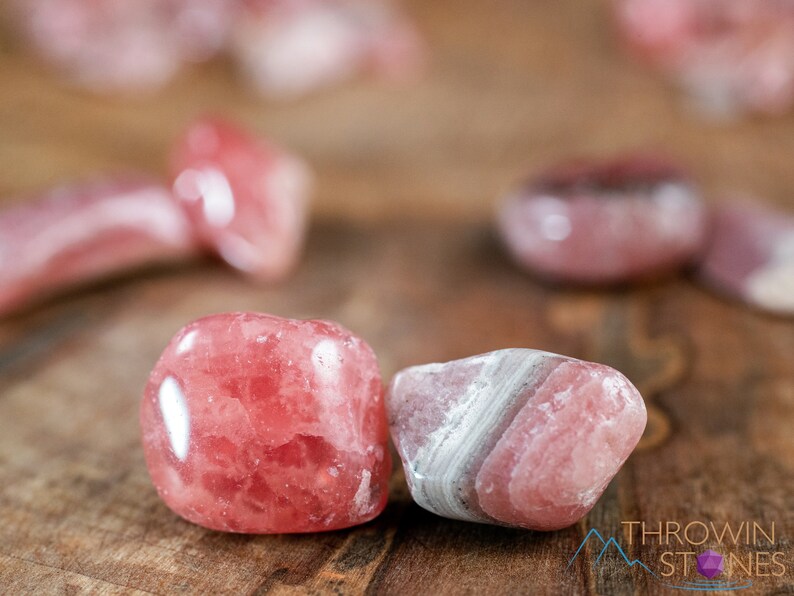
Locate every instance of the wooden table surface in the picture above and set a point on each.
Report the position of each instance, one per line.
(401, 251)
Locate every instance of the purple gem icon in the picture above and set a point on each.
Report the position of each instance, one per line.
(710, 563)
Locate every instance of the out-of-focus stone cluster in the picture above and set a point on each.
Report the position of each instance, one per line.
(730, 55)
(284, 48)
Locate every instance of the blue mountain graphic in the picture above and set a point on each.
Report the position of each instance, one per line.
(606, 544)
(696, 586)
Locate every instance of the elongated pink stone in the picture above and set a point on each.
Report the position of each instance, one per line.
(247, 198)
(253, 423)
(514, 437)
(77, 233)
(288, 48)
(605, 222)
(751, 256)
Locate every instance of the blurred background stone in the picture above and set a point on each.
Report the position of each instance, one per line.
(731, 56)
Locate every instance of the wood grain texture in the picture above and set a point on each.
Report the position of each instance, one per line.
(402, 252)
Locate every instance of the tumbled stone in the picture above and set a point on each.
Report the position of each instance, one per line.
(252, 423)
(590, 222)
(751, 256)
(124, 45)
(247, 198)
(731, 55)
(81, 232)
(234, 196)
(514, 437)
(289, 48)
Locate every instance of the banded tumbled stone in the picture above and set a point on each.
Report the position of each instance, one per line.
(514, 437)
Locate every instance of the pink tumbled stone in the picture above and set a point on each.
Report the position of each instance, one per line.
(596, 223)
(247, 198)
(252, 423)
(751, 256)
(731, 55)
(288, 48)
(80, 232)
(124, 45)
(513, 437)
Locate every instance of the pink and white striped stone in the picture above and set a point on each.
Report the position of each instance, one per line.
(81, 232)
(514, 437)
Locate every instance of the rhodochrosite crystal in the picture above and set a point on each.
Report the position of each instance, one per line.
(247, 198)
(291, 47)
(124, 45)
(514, 437)
(590, 222)
(751, 256)
(77, 233)
(730, 54)
(253, 423)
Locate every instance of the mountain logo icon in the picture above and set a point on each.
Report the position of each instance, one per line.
(609, 548)
(606, 545)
